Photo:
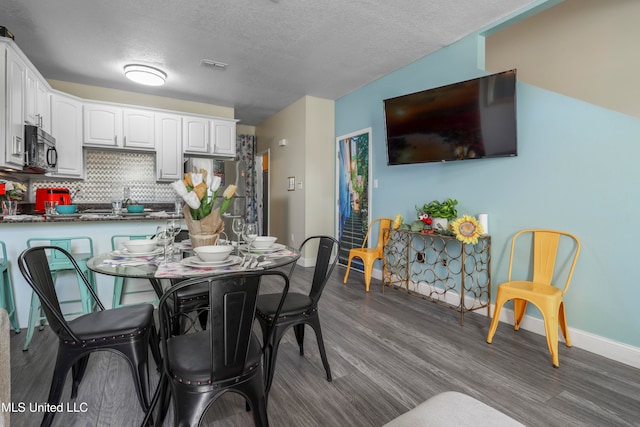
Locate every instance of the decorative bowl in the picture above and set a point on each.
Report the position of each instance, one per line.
(213, 253)
(140, 245)
(263, 242)
(66, 209)
(135, 208)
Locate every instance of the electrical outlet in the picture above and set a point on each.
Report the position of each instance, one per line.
(292, 238)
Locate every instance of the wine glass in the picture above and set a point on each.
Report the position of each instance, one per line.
(173, 227)
(164, 237)
(237, 227)
(250, 233)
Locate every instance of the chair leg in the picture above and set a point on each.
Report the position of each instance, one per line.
(562, 319)
(57, 385)
(551, 330)
(519, 308)
(7, 300)
(315, 324)
(496, 318)
(256, 399)
(271, 356)
(78, 370)
(368, 270)
(299, 332)
(118, 285)
(346, 274)
(35, 318)
(189, 407)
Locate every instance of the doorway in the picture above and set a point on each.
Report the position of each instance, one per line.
(262, 165)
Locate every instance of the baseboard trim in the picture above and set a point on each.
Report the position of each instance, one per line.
(602, 346)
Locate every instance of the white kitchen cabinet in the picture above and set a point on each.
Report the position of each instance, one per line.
(209, 137)
(169, 147)
(195, 135)
(66, 128)
(37, 106)
(223, 134)
(102, 125)
(138, 129)
(111, 126)
(15, 87)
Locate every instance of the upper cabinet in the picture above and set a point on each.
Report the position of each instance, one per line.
(66, 127)
(209, 137)
(223, 134)
(195, 135)
(110, 126)
(169, 147)
(37, 107)
(15, 70)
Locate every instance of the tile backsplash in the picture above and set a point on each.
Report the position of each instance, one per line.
(108, 172)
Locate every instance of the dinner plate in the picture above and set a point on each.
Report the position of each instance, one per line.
(126, 253)
(274, 248)
(194, 261)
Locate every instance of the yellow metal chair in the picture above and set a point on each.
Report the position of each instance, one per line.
(369, 255)
(119, 289)
(540, 290)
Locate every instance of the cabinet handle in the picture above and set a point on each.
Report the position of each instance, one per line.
(125, 140)
(115, 139)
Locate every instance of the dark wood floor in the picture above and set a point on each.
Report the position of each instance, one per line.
(388, 352)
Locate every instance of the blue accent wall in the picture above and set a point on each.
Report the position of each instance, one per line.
(576, 170)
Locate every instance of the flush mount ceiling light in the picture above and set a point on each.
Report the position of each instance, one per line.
(145, 75)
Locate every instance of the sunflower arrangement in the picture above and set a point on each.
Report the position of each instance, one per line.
(467, 229)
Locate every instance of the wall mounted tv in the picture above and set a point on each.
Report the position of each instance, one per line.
(473, 119)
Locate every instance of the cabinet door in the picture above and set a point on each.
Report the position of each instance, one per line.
(102, 126)
(14, 149)
(66, 127)
(36, 101)
(169, 147)
(139, 129)
(224, 137)
(195, 134)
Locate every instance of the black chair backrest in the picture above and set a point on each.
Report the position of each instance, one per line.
(34, 266)
(324, 266)
(232, 305)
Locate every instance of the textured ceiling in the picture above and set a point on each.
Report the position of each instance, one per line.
(277, 50)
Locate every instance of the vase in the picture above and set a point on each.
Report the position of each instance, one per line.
(9, 207)
(205, 231)
(441, 224)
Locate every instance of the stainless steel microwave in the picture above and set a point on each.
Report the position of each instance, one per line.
(40, 155)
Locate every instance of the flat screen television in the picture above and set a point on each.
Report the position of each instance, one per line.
(473, 119)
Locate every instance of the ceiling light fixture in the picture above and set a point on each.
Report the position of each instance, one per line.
(145, 75)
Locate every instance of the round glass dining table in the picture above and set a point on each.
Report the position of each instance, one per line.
(151, 267)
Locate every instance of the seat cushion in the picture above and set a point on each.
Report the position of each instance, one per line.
(189, 358)
(122, 322)
(294, 303)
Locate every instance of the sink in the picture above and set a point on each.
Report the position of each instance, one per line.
(103, 211)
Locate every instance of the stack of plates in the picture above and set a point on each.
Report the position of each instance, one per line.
(194, 261)
(126, 253)
(274, 248)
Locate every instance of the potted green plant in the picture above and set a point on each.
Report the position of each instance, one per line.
(440, 212)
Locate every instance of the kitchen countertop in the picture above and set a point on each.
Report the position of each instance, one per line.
(86, 217)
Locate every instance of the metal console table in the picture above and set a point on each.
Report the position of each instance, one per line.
(439, 268)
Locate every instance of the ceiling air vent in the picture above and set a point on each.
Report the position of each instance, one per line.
(214, 65)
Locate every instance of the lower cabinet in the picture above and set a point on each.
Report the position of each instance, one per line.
(66, 127)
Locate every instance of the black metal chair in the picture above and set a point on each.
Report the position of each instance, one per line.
(298, 309)
(201, 365)
(127, 331)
